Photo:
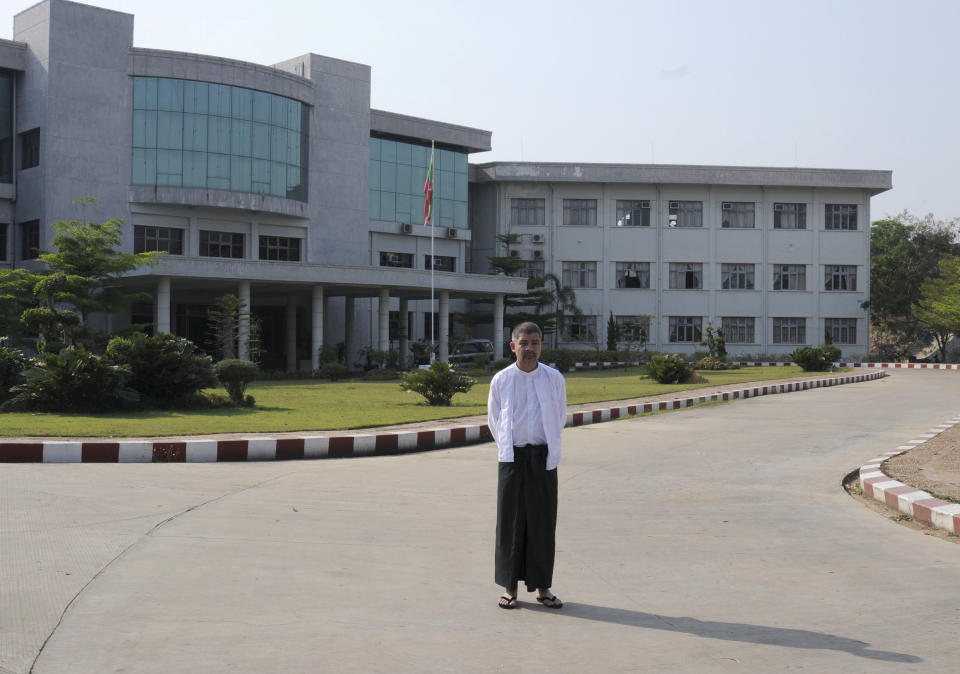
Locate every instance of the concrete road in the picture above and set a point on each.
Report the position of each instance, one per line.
(716, 539)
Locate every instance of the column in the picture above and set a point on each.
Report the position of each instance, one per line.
(291, 330)
(243, 333)
(162, 309)
(384, 315)
(316, 326)
(498, 327)
(404, 337)
(444, 325)
(348, 321)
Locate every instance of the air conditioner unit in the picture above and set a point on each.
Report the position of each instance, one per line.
(645, 203)
(539, 238)
(674, 204)
(727, 206)
(514, 253)
(538, 255)
(451, 233)
(778, 207)
(406, 228)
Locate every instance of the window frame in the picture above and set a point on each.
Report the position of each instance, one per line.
(143, 238)
(30, 149)
(798, 211)
(581, 323)
(641, 271)
(279, 248)
(402, 261)
(791, 325)
(579, 276)
(235, 244)
(840, 278)
(787, 271)
(635, 323)
(575, 211)
(446, 263)
(633, 213)
(840, 217)
(29, 239)
(689, 214)
(839, 330)
(739, 329)
(691, 326)
(738, 208)
(732, 278)
(691, 272)
(522, 207)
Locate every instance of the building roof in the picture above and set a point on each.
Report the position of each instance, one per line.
(452, 136)
(871, 180)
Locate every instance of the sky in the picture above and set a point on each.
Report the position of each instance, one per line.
(851, 84)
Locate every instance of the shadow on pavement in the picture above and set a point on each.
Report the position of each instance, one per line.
(745, 632)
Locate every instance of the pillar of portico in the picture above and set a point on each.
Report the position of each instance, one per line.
(349, 313)
(444, 326)
(243, 331)
(384, 316)
(498, 327)
(291, 330)
(404, 337)
(316, 326)
(162, 317)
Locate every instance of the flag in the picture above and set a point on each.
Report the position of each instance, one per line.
(428, 192)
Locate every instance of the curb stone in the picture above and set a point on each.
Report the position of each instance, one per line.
(265, 448)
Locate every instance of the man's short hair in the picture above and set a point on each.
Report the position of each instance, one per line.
(525, 328)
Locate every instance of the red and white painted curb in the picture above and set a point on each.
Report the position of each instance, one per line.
(873, 366)
(344, 446)
(909, 500)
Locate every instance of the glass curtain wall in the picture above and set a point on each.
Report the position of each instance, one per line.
(398, 171)
(6, 126)
(216, 136)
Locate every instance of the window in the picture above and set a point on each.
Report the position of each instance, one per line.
(221, 244)
(686, 275)
(687, 329)
(7, 78)
(737, 214)
(841, 330)
(3, 242)
(581, 328)
(580, 211)
(735, 276)
(738, 329)
(633, 328)
(218, 136)
(789, 216)
(404, 260)
(580, 274)
(633, 213)
(280, 248)
(531, 269)
(633, 274)
(29, 149)
(441, 263)
(686, 214)
(789, 330)
(527, 211)
(840, 277)
(29, 240)
(789, 277)
(166, 239)
(840, 216)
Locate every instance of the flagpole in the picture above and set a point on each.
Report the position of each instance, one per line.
(429, 209)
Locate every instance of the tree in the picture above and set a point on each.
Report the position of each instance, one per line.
(905, 251)
(938, 310)
(561, 301)
(612, 333)
(223, 328)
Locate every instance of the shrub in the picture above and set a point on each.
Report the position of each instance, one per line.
(381, 375)
(72, 380)
(668, 368)
(438, 384)
(711, 363)
(235, 374)
(12, 365)
(564, 360)
(166, 369)
(816, 358)
(333, 371)
(500, 363)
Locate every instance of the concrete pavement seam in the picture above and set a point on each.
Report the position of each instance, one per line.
(265, 448)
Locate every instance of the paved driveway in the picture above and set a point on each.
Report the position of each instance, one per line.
(716, 539)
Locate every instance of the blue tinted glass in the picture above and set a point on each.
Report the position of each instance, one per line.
(194, 131)
(403, 207)
(279, 114)
(278, 144)
(460, 187)
(240, 172)
(446, 213)
(261, 141)
(404, 153)
(460, 162)
(388, 206)
(374, 148)
(388, 150)
(218, 166)
(241, 138)
(170, 94)
(278, 178)
(445, 159)
(403, 180)
(144, 166)
(261, 107)
(261, 176)
(242, 103)
(170, 130)
(388, 177)
(219, 100)
(420, 156)
(460, 214)
(446, 184)
(194, 169)
(374, 205)
(196, 97)
(218, 134)
(374, 175)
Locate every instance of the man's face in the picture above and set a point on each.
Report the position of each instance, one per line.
(527, 348)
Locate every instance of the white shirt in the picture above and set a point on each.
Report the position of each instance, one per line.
(527, 419)
(504, 409)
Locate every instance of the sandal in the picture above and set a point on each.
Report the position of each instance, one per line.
(507, 601)
(550, 602)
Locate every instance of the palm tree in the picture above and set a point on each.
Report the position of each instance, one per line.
(560, 300)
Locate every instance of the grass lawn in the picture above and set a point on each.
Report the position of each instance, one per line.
(304, 405)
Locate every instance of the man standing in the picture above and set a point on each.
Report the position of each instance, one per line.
(526, 413)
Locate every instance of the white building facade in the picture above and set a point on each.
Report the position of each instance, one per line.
(777, 258)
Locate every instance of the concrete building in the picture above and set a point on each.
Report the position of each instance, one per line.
(775, 257)
(281, 185)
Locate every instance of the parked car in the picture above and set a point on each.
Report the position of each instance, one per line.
(466, 353)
